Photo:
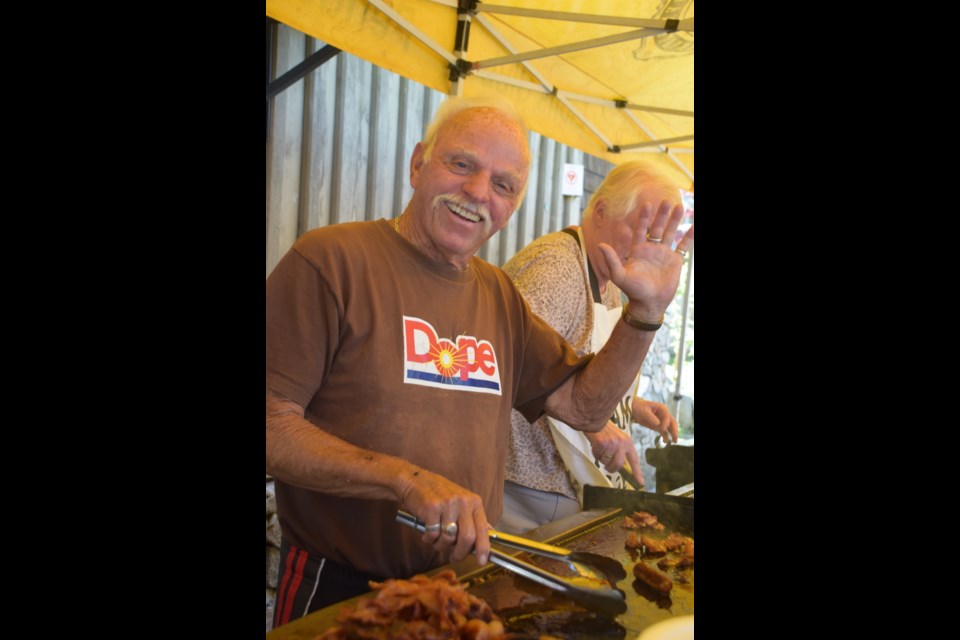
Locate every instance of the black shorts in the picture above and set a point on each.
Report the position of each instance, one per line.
(307, 583)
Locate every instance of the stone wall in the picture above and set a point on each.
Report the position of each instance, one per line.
(273, 550)
(655, 385)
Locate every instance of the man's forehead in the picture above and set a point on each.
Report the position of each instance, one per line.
(482, 116)
(453, 135)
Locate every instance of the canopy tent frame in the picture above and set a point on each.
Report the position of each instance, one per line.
(626, 69)
(461, 68)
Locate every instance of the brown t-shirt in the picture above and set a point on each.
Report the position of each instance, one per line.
(394, 353)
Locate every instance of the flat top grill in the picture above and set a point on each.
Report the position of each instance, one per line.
(529, 609)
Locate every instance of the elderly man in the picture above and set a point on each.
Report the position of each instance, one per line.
(394, 357)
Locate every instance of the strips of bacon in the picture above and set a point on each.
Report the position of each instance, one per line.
(420, 608)
(642, 520)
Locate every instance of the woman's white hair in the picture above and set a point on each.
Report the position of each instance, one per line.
(625, 183)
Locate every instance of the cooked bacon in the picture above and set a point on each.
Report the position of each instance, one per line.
(420, 608)
(679, 563)
(688, 548)
(652, 577)
(629, 523)
(653, 546)
(645, 519)
(632, 541)
(673, 542)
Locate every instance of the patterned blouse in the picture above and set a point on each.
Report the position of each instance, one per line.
(549, 273)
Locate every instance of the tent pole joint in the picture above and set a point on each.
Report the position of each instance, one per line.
(620, 104)
(672, 24)
(459, 70)
(614, 149)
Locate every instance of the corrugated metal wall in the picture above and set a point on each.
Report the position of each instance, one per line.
(339, 143)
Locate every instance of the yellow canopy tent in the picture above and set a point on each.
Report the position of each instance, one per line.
(613, 78)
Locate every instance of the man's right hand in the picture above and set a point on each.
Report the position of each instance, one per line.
(436, 500)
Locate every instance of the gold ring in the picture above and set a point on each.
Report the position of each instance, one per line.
(649, 239)
(683, 254)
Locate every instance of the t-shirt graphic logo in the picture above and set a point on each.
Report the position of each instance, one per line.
(467, 365)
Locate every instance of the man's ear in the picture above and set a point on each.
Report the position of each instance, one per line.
(416, 164)
(600, 212)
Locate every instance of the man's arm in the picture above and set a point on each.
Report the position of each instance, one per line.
(302, 454)
(588, 398)
(649, 276)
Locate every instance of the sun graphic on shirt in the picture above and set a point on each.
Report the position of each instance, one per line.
(447, 358)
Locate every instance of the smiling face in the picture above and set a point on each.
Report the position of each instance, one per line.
(470, 185)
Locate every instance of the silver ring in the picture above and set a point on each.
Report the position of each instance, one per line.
(450, 529)
(649, 239)
(683, 254)
(430, 528)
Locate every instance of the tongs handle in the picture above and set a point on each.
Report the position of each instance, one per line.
(411, 521)
(531, 546)
(514, 542)
(498, 558)
(506, 539)
(584, 591)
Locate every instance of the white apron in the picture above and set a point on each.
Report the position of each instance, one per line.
(572, 444)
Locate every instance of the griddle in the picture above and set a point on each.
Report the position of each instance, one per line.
(529, 609)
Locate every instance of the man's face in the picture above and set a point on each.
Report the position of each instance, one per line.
(471, 184)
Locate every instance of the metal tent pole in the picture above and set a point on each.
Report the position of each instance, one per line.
(683, 333)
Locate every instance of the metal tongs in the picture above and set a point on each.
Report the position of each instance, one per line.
(592, 587)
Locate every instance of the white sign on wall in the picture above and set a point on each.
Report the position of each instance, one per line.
(572, 180)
